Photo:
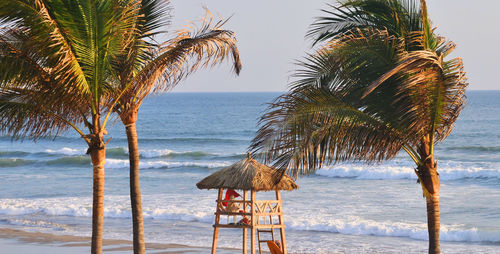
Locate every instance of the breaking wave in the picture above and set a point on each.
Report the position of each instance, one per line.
(357, 226)
(8, 162)
(119, 207)
(395, 170)
(121, 152)
(116, 163)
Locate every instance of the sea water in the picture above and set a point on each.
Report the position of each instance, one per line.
(345, 208)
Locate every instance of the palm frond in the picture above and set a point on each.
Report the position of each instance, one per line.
(68, 67)
(145, 17)
(60, 53)
(187, 52)
(398, 17)
(308, 128)
(24, 68)
(350, 64)
(153, 16)
(21, 115)
(436, 88)
(360, 88)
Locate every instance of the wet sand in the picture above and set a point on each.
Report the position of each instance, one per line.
(18, 241)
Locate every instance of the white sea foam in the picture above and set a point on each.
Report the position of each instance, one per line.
(145, 164)
(117, 163)
(38, 224)
(370, 172)
(67, 151)
(146, 153)
(170, 208)
(394, 169)
(17, 176)
(115, 207)
(357, 226)
(154, 153)
(397, 170)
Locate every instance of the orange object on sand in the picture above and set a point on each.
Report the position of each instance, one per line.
(273, 247)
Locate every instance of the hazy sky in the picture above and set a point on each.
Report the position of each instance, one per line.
(271, 37)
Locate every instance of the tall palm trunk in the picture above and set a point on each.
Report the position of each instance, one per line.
(135, 188)
(431, 182)
(98, 157)
(429, 177)
(433, 223)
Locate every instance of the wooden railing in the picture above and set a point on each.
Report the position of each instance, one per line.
(265, 210)
(262, 207)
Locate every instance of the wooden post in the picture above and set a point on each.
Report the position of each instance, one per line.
(216, 225)
(253, 221)
(245, 236)
(282, 222)
(272, 229)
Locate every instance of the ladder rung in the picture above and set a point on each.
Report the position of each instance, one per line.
(265, 230)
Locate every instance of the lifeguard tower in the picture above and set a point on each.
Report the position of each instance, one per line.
(258, 216)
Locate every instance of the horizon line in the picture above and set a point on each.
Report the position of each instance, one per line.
(280, 91)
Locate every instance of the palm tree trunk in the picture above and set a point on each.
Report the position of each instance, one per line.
(98, 157)
(431, 185)
(135, 188)
(433, 223)
(429, 178)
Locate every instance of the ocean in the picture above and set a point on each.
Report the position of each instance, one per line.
(345, 208)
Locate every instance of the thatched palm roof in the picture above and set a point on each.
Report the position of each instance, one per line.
(247, 174)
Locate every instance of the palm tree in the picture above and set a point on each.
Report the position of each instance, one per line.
(149, 66)
(378, 85)
(55, 65)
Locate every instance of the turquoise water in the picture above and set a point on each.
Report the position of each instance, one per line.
(183, 137)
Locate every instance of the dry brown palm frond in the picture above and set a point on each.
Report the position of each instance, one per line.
(435, 87)
(187, 52)
(455, 83)
(416, 60)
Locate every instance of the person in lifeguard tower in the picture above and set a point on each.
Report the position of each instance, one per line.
(232, 207)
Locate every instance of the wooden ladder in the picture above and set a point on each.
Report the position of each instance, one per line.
(270, 230)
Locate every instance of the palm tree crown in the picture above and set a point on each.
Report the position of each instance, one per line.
(379, 84)
(363, 80)
(151, 66)
(55, 59)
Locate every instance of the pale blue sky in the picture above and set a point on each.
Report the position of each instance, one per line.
(271, 37)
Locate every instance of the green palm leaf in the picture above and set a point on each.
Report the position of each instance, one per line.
(379, 84)
(398, 17)
(61, 55)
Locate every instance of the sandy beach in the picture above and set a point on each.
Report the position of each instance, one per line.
(18, 241)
